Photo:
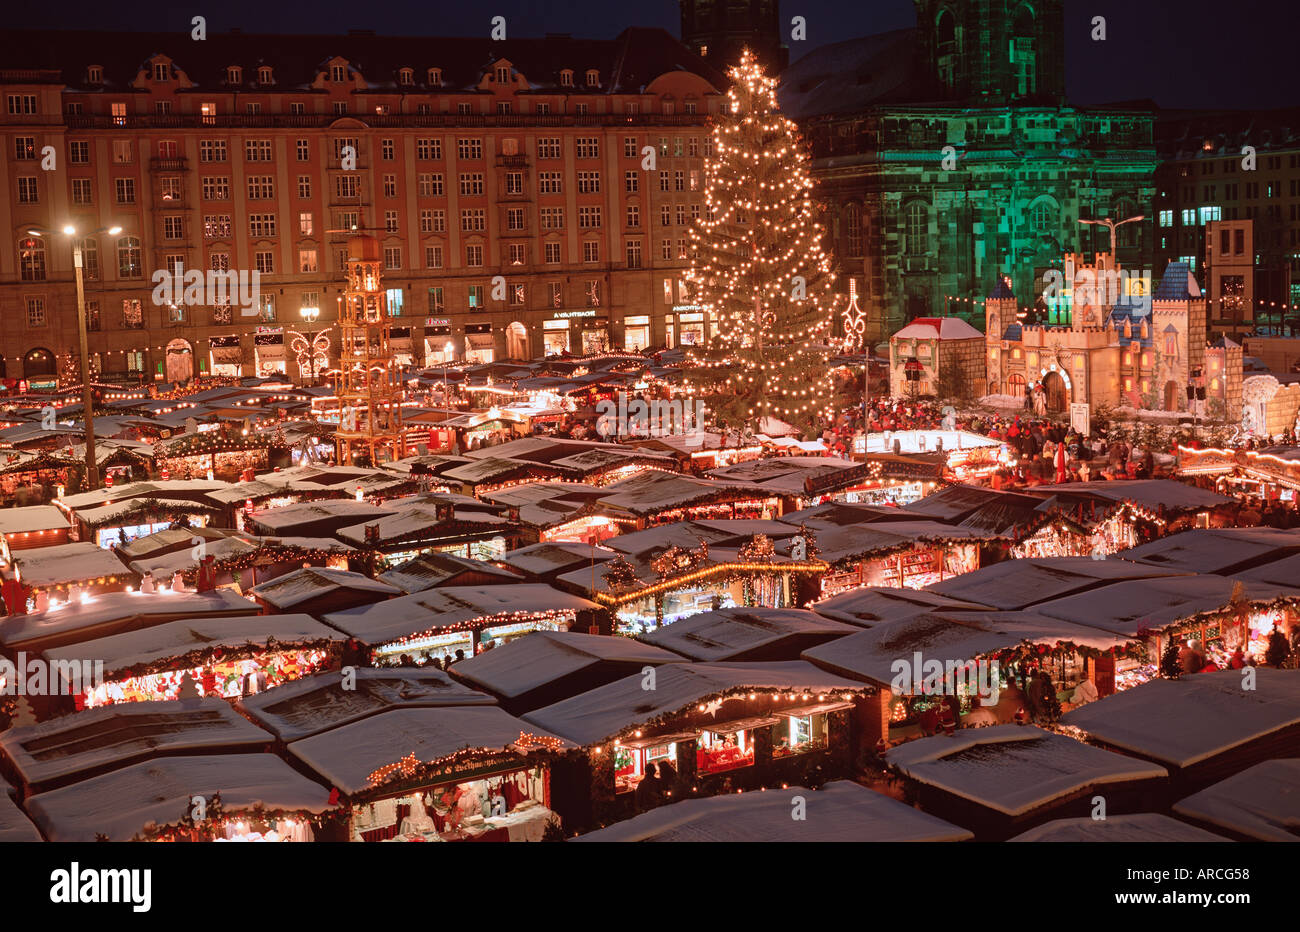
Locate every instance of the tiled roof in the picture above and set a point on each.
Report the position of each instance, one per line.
(1002, 289)
(1013, 332)
(1178, 284)
(626, 64)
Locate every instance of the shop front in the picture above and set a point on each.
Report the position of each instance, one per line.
(636, 333)
(226, 356)
(403, 349)
(690, 329)
(439, 346)
(269, 352)
(555, 337)
(470, 637)
(480, 346)
(912, 568)
(595, 335)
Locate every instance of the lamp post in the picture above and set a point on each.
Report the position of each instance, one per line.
(87, 393)
(1112, 225)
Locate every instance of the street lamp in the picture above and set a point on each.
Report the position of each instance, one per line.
(1111, 225)
(87, 393)
(313, 341)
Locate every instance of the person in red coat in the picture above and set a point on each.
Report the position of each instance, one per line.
(1060, 463)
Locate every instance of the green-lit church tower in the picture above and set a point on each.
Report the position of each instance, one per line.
(947, 155)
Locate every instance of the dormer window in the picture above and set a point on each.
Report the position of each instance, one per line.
(264, 75)
(566, 78)
(234, 75)
(593, 78)
(435, 77)
(161, 72)
(95, 74)
(503, 74)
(338, 74)
(406, 76)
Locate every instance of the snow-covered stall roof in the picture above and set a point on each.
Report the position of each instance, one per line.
(547, 559)
(335, 512)
(653, 492)
(547, 504)
(420, 520)
(346, 756)
(317, 703)
(688, 534)
(871, 605)
(1128, 608)
(14, 824)
(1187, 720)
(1284, 572)
(158, 793)
(1015, 584)
(115, 513)
(116, 735)
(302, 585)
(31, 519)
(451, 605)
(946, 636)
(727, 633)
(1014, 768)
(432, 569)
(188, 489)
(1261, 802)
(62, 564)
(114, 612)
(842, 811)
(855, 542)
(155, 647)
(1150, 494)
(525, 664)
(603, 713)
(783, 474)
(1141, 827)
(1215, 550)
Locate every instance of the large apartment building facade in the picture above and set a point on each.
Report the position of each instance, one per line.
(530, 197)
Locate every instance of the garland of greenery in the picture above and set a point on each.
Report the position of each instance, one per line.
(206, 656)
(153, 507)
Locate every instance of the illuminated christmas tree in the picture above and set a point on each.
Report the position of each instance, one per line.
(758, 267)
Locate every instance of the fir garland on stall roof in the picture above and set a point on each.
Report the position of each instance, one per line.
(154, 508)
(207, 656)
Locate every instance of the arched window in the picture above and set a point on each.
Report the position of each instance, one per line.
(264, 75)
(566, 77)
(1024, 53)
(945, 33)
(435, 77)
(1043, 218)
(916, 231)
(39, 361)
(31, 259)
(128, 257)
(853, 231)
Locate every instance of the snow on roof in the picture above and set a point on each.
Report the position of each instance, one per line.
(1282, 572)
(688, 534)
(112, 612)
(842, 811)
(1184, 721)
(154, 488)
(1014, 768)
(1128, 608)
(605, 712)
(1142, 827)
(322, 510)
(938, 328)
(177, 638)
(347, 755)
(450, 605)
(316, 703)
(165, 565)
(871, 605)
(652, 492)
(853, 542)
(785, 473)
(526, 663)
(1148, 493)
(725, 633)
(430, 569)
(111, 513)
(313, 582)
(420, 519)
(123, 803)
(1260, 802)
(556, 556)
(116, 735)
(14, 824)
(1215, 550)
(1015, 584)
(945, 636)
(31, 518)
(66, 563)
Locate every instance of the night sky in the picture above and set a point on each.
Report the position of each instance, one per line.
(1185, 53)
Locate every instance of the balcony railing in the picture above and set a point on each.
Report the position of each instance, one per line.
(169, 164)
(375, 120)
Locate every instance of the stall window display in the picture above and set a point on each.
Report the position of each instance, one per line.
(640, 616)
(111, 537)
(636, 333)
(630, 763)
(901, 493)
(228, 679)
(798, 734)
(507, 807)
(719, 751)
(276, 830)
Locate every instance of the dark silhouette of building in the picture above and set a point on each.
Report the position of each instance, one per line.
(717, 30)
